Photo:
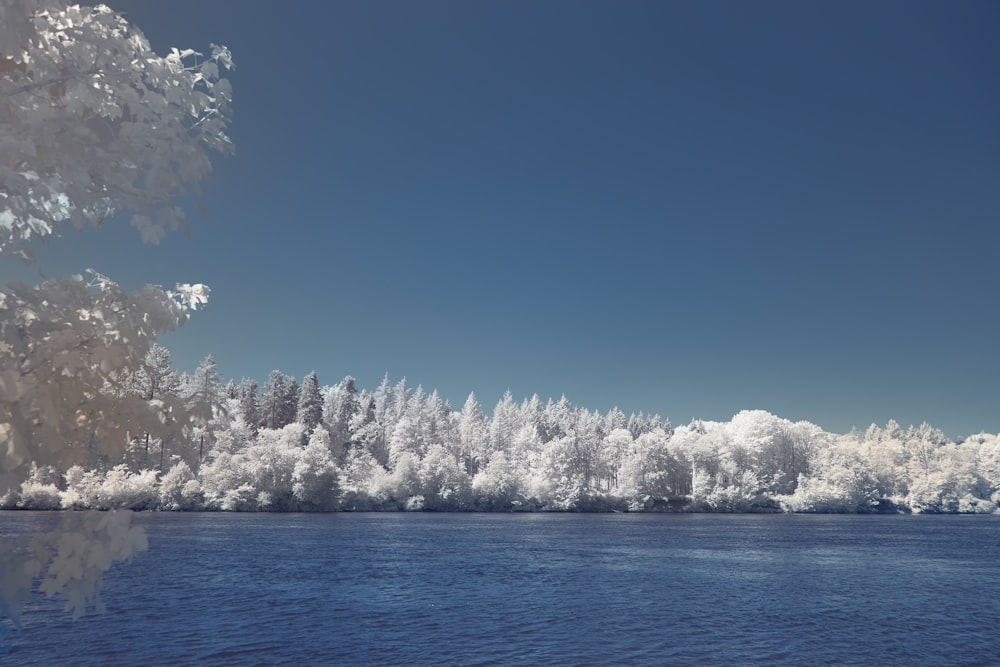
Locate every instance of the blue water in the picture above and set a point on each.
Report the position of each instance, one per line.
(537, 589)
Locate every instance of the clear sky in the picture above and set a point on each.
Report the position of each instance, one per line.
(688, 208)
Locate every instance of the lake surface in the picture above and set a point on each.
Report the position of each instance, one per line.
(536, 589)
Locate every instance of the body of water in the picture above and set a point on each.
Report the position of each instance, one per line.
(536, 589)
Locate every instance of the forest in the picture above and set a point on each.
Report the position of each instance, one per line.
(292, 446)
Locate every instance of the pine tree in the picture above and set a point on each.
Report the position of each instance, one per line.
(504, 424)
(309, 411)
(473, 433)
(248, 404)
(157, 381)
(615, 419)
(204, 395)
(279, 400)
(340, 407)
(157, 377)
(205, 385)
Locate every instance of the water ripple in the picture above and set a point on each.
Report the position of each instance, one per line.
(424, 589)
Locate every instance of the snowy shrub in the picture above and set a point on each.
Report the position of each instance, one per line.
(83, 488)
(223, 473)
(179, 490)
(36, 496)
(271, 462)
(264, 501)
(652, 470)
(842, 494)
(8, 500)
(969, 504)
(445, 483)
(241, 499)
(364, 482)
(236, 481)
(122, 489)
(405, 481)
(39, 492)
(314, 477)
(540, 488)
(496, 486)
(637, 504)
(741, 495)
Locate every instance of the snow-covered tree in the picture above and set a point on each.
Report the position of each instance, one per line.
(473, 434)
(94, 124)
(652, 471)
(446, 485)
(155, 381)
(205, 397)
(71, 349)
(180, 489)
(279, 401)
(616, 446)
(410, 433)
(841, 481)
(309, 411)
(157, 378)
(504, 423)
(365, 431)
(205, 386)
(315, 475)
(339, 409)
(441, 427)
(615, 419)
(557, 419)
(249, 408)
(497, 486)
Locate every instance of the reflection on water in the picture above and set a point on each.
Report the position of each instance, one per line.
(429, 589)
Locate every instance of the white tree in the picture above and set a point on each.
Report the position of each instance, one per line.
(309, 411)
(497, 486)
(279, 401)
(652, 471)
(315, 476)
(70, 350)
(473, 434)
(158, 378)
(338, 410)
(94, 124)
(504, 424)
(205, 397)
(446, 485)
(616, 446)
(841, 481)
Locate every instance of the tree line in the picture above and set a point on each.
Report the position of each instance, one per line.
(299, 446)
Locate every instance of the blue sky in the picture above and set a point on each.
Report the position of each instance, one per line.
(689, 208)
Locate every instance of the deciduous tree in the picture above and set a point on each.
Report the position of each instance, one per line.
(94, 124)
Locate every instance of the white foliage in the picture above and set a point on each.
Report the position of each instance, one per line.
(497, 485)
(38, 496)
(69, 561)
(70, 351)
(315, 475)
(446, 485)
(93, 124)
(96, 123)
(180, 490)
(841, 481)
